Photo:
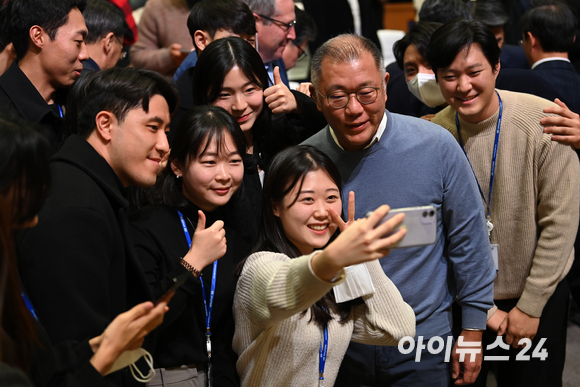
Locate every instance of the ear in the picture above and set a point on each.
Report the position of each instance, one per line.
(259, 22)
(534, 42)
(10, 50)
(176, 168)
(275, 209)
(37, 36)
(202, 39)
(106, 124)
(315, 96)
(387, 76)
(107, 42)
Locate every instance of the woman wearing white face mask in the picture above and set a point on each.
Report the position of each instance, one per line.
(410, 53)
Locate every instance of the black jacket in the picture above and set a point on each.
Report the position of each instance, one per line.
(160, 242)
(78, 264)
(18, 95)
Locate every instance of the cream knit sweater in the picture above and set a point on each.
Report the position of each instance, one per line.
(278, 346)
(535, 198)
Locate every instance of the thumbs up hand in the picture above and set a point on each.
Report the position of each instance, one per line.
(278, 97)
(207, 245)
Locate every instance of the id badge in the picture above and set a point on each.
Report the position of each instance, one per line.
(495, 256)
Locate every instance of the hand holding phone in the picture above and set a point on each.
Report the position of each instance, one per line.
(420, 223)
(175, 284)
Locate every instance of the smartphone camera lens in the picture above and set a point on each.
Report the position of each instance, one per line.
(424, 214)
(431, 213)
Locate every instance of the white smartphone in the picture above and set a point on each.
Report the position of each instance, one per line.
(420, 223)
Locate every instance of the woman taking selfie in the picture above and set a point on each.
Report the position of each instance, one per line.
(183, 232)
(289, 329)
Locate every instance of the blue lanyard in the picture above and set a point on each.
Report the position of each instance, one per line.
(322, 357)
(208, 311)
(60, 111)
(492, 175)
(29, 305)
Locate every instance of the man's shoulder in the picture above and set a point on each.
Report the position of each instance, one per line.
(82, 178)
(524, 105)
(72, 187)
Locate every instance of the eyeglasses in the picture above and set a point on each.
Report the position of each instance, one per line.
(123, 54)
(281, 24)
(303, 53)
(339, 99)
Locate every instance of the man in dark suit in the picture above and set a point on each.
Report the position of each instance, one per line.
(78, 264)
(335, 17)
(548, 35)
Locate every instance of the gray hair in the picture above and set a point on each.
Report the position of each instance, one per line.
(262, 7)
(343, 49)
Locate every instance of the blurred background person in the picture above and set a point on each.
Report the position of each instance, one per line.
(305, 32)
(493, 15)
(7, 53)
(107, 29)
(164, 41)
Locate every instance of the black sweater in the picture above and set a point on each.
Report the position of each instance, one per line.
(160, 242)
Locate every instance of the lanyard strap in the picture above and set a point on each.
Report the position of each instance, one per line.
(208, 311)
(322, 356)
(493, 159)
(60, 111)
(29, 305)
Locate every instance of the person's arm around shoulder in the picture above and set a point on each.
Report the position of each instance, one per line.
(564, 127)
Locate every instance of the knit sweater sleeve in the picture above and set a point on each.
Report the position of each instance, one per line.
(384, 318)
(558, 206)
(273, 287)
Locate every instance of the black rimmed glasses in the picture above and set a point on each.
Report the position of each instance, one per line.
(123, 54)
(300, 50)
(339, 99)
(285, 26)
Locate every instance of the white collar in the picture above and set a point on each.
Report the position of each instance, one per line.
(548, 60)
(376, 138)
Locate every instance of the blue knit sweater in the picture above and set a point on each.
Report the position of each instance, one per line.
(418, 163)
